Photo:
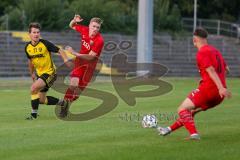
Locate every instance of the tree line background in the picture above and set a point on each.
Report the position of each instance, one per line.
(120, 16)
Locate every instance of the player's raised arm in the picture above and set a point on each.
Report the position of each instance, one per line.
(77, 19)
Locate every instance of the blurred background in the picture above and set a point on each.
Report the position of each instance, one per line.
(172, 27)
(146, 31)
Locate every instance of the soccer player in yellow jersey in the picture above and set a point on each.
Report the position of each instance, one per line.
(41, 68)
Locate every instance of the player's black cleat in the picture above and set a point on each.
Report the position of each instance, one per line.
(32, 116)
(64, 107)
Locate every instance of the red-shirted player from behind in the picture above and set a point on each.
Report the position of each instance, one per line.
(86, 61)
(211, 90)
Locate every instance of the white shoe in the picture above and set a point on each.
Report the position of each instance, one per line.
(164, 131)
(193, 137)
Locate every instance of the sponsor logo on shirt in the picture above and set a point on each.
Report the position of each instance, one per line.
(37, 56)
(86, 45)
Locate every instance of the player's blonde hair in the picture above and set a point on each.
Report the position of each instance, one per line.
(97, 20)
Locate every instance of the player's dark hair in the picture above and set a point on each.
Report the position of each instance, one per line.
(200, 32)
(33, 25)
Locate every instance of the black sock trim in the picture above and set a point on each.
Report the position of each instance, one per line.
(35, 104)
(52, 100)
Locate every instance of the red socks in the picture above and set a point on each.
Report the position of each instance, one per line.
(178, 123)
(71, 95)
(185, 119)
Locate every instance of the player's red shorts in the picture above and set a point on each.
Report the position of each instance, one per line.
(84, 73)
(205, 98)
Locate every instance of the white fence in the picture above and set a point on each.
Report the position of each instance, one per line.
(214, 26)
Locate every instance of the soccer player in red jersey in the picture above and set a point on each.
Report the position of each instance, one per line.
(86, 61)
(211, 90)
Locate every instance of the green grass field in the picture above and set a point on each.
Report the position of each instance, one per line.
(118, 134)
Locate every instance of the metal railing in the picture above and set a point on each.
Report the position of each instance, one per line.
(213, 26)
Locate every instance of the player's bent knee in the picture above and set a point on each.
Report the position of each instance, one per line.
(186, 104)
(33, 89)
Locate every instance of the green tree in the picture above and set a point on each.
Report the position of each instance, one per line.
(219, 9)
(117, 17)
(5, 4)
(51, 14)
(214, 9)
(167, 16)
(185, 6)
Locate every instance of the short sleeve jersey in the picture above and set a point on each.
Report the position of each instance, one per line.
(84, 68)
(209, 56)
(95, 44)
(40, 55)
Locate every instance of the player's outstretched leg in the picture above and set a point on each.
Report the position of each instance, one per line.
(186, 113)
(176, 125)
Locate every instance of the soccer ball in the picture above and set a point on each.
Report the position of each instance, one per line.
(149, 121)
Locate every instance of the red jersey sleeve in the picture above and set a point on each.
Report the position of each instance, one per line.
(97, 46)
(79, 28)
(204, 59)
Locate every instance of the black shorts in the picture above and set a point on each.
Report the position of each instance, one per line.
(49, 80)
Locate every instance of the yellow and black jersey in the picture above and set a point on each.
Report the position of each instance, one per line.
(40, 56)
